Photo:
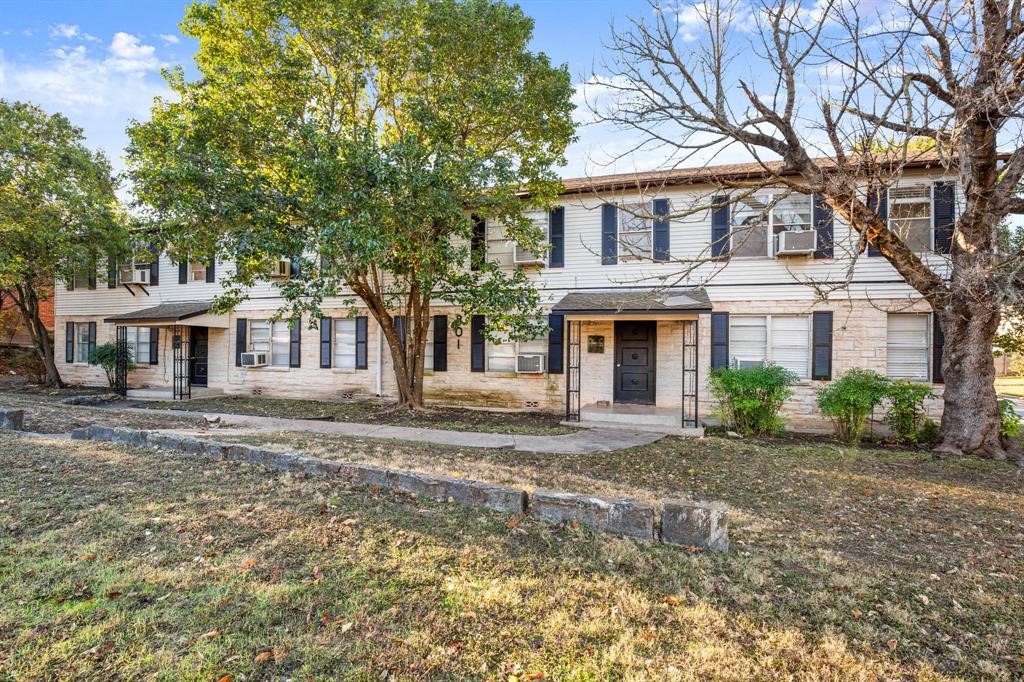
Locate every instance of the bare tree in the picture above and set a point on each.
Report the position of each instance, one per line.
(834, 103)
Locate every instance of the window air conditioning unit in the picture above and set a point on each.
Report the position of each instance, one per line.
(530, 363)
(796, 242)
(134, 275)
(282, 269)
(521, 256)
(255, 359)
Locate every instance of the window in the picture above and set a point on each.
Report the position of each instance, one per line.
(345, 343)
(84, 279)
(499, 249)
(81, 342)
(501, 357)
(428, 352)
(635, 231)
(757, 219)
(907, 346)
(138, 344)
(273, 338)
(196, 272)
(783, 340)
(540, 222)
(910, 216)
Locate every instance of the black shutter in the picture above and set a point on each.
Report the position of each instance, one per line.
(154, 345)
(111, 273)
(92, 276)
(556, 229)
(211, 271)
(821, 351)
(440, 343)
(609, 235)
(154, 271)
(878, 201)
(92, 340)
(70, 283)
(944, 210)
(240, 340)
(720, 227)
(183, 273)
(938, 344)
(476, 343)
(361, 342)
(69, 342)
(400, 328)
(296, 267)
(295, 344)
(661, 230)
(719, 340)
(556, 343)
(823, 224)
(478, 243)
(325, 342)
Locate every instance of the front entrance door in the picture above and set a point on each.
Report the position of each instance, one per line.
(635, 344)
(199, 361)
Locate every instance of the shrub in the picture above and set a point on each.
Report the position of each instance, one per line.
(752, 397)
(906, 414)
(106, 357)
(849, 400)
(1011, 423)
(929, 432)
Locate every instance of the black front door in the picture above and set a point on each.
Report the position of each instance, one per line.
(635, 344)
(199, 360)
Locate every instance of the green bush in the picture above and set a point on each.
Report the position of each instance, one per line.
(106, 357)
(906, 414)
(929, 432)
(849, 400)
(1010, 421)
(751, 398)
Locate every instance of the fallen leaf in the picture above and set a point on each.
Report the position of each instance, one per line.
(350, 522)
(208, 635)
(226, 678)
(264, 656)
(534, 676)
(318, 573)
(88, 557)
(856, 613)
(103, 647)
(574, 524)
(248, 564)
(346, 627)
(672, 601)
(113, 594)
(513, 522)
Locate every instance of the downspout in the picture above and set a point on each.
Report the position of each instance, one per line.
(380, 357)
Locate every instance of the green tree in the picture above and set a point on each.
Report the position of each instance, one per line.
(58, 212)
(357, 138)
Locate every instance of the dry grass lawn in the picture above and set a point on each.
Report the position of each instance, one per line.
(122, 563)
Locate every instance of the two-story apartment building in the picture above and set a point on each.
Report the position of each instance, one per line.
(640, 308)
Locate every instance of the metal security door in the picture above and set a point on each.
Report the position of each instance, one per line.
(690, 375)
(182, 366)
(121, 361)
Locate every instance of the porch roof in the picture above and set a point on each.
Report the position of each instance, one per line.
(172, 313)
(661, 302)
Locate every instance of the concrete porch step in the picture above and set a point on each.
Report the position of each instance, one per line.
(632, 415)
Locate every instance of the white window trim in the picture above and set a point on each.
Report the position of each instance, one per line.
(270, 345)
(517, 350)
(769, 226)
(79, 345)
(334, 345)
(191, 272)
(931, 201)
(806, 376)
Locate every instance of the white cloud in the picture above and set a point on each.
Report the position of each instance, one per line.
(128, 53)
(169, 38)
(101, 92)
(67, 31)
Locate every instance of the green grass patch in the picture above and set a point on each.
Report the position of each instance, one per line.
(122, 563)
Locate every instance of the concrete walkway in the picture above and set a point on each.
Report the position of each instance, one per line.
(582, 442)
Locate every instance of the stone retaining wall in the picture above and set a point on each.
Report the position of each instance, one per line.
(12, 420)
(681, 523)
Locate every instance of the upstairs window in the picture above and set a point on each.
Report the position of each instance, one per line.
(636, 240)
(910, 216)
(757, 219)
(197, 272)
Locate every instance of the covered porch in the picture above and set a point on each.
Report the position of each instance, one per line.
(632, 358)
(187, 328)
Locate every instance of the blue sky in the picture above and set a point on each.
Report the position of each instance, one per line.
(98, 62)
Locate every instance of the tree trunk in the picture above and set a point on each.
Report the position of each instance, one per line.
(27, 301)
(970, 416)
